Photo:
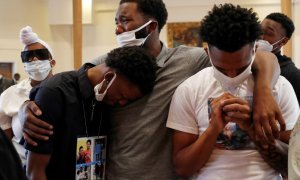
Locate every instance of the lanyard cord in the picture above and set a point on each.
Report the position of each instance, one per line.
(92, 117)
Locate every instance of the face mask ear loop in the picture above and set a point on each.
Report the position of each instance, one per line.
(277, 43)
(111, 81)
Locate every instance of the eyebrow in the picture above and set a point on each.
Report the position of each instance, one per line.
(270, 28)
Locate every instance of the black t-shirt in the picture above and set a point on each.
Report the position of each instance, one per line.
(67, 100)
(10, 163)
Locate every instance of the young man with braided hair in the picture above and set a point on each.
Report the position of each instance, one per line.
(211, 111)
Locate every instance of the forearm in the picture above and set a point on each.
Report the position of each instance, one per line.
(265, 70)
(36, 166)
(36, 175)
(192, 158)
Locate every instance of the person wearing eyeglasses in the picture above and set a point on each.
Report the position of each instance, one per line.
(38, 62)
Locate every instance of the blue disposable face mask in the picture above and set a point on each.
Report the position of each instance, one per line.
(129, 39)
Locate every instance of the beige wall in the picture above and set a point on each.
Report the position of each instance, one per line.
(99, 37)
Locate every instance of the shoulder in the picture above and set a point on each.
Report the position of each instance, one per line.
(191, 59)
(192, 52)
(7, 81)
(58, 84)
(9, 90)
(99, 59)
(284, 90)
(197, 81)
(60, 79)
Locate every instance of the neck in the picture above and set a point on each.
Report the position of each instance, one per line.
(154, 46)
(34, 82)
(96, 74)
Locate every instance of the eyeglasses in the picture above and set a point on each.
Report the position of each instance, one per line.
(41, 54)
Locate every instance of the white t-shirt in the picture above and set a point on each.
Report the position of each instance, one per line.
(10, 102)
(230, 159)
(294, 153)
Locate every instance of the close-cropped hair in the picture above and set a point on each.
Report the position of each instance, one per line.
(285, 22)
(152, 8)
(230, 27)
(136, 64)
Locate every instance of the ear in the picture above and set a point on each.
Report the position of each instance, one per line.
(284, 41)
(153, 25)
(52, 63)
(108, 76)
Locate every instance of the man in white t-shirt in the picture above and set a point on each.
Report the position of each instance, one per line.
(211, 111)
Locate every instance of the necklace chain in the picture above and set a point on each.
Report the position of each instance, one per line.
(92, 117)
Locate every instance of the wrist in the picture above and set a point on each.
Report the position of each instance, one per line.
(213, 131)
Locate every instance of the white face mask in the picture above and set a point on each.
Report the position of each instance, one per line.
(97, 88)
(263, 45)
(128, 38)
(38, 70)
(230, 83)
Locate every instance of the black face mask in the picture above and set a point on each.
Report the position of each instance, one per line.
(41, 54)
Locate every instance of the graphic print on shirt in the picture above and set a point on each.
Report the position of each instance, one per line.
(232, 137)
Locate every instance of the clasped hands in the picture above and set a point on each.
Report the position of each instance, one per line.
(229, 108)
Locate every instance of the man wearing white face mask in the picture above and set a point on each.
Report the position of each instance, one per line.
(38, 63)
(74, 104)
(211, 111)
(277, 31)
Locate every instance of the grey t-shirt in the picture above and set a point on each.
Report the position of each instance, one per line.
(140, 145)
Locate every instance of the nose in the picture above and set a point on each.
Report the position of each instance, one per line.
(119, 29)
(34, 58)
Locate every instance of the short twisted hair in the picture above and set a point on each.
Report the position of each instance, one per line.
(230, 27)
(136, 64)
(152, 8)
(285, 22)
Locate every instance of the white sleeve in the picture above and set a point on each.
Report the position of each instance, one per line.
(182, 111)
(288, 103)
(5, 119)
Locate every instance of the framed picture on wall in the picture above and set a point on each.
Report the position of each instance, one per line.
(184, 33)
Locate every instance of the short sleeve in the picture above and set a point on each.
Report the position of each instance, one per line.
(182, 114)
(5, 119)
(288, 103)
(51, 104)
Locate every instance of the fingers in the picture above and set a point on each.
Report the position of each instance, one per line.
(281, 121)
(34, 108)
(37, 125)
(260, 135)
(36, 128)
(268, 131)
(262, 128)
(237, 117)
(29, 140)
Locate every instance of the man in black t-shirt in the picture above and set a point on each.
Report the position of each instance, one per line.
(278, 29)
